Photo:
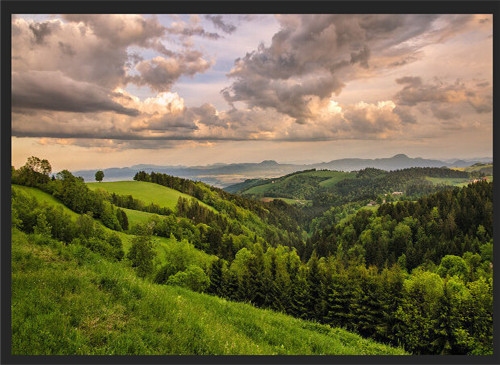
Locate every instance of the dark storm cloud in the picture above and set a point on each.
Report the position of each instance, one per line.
(51, 90)
(219, 23)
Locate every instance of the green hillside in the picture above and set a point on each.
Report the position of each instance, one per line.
(294, 186)
(134, 216)
(145, 191)
(67, 300)
(164, 247)
(383, 272)
(43, 197)
(324, 188)
(486, 168)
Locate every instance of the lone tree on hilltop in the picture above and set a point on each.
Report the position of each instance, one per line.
(99, 175)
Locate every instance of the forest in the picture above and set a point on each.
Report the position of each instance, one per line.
(415, 273)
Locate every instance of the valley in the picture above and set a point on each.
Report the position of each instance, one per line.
(295, 257)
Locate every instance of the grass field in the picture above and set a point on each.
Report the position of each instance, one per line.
(338, 177)
(145, 191)
(258, 190)
(137, 216)
(163, 245)
(474, 167)
(449, 181)
(289, 201)
(68, 300)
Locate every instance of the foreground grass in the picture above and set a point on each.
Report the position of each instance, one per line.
(145, 191)
(67, 300)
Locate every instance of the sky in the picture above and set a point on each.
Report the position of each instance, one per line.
(98, 91)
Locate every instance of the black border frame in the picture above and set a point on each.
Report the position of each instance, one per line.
(222, 7)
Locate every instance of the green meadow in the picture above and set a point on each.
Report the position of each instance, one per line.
(449, 181)
(145, 191)
(67, 300)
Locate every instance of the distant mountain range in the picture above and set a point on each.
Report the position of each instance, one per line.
(222, 175)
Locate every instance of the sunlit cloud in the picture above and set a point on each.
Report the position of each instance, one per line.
(120, 82)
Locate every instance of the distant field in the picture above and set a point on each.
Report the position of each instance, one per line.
(289, 201)
(474, 167)
(338, 177)
(449, 181)
(145, 191)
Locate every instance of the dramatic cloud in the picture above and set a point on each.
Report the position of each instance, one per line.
(117, 82)
(51, 90)
(75, 65)
(312, 56)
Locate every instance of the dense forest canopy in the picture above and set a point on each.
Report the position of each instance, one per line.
(415, 272)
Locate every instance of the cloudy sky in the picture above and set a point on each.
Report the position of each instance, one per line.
(96, 91)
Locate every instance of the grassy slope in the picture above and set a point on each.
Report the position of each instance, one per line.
(66, 300)
(145, 191)
(289, 201)
(474, 167)
(163, 245)
(336, 178)
(43, 197)
(449, 181)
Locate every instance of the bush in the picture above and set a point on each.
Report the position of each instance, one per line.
(193, 278)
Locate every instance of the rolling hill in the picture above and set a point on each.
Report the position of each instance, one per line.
(93, 306)
(362, 185)
(322, 261)
(69, 301)
(224, 175)
(163, 245)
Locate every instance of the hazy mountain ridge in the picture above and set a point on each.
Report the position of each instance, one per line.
(223, 175)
